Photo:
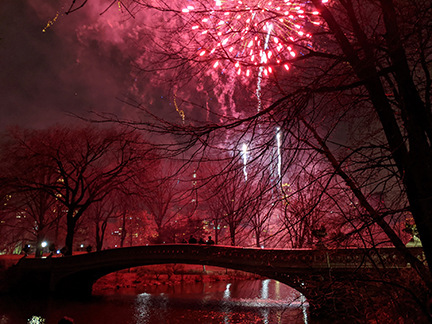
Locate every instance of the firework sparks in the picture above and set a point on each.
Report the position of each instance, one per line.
(181, 112)
(251, 33)
(50, 23)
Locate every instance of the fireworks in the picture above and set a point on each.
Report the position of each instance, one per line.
(250, 34)
(244, 151)
(279, 155)
(50, 23)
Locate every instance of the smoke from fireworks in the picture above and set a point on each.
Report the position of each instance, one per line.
(251, 33)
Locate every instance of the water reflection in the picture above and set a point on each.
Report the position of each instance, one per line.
(142, 311)
(219, 302)
(304, 306)
(260, 301)
(264, 295)
(227, 291)
(226, 309)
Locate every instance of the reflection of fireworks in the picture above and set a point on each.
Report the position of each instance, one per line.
(250, 33)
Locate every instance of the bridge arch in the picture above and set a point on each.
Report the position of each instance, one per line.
(78, 279)
(311, 272)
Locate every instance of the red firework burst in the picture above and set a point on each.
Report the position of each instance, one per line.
(250, 33)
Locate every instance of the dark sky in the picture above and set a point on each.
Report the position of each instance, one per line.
(81, 63)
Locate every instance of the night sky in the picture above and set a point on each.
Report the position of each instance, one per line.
(81, 63)
(84, 62)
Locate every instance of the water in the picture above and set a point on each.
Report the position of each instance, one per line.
(257, 301)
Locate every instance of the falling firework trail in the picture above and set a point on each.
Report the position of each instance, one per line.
(245, 160)
(278, 141)
(263, 58)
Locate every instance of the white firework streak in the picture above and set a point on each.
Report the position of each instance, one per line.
(278, 141)
(245, 160)
(261, 69)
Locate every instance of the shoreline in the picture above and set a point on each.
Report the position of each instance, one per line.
(168, 274)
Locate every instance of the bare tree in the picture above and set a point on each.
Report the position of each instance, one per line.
(101, 212)
(86, 165)
(34, 210)
(167, 195)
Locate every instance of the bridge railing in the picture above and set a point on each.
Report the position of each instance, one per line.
(227, 255)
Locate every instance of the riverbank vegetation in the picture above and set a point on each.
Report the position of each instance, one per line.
(168, 274)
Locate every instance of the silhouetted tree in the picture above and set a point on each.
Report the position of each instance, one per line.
(85, 164)
(166, 195)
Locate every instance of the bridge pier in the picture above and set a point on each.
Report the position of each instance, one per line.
(35, 282)
(73, 286)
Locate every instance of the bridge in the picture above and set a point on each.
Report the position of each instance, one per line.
(312, 272)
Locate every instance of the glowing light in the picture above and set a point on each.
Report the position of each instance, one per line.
(36, 320)
(44, 244)
(232, 30)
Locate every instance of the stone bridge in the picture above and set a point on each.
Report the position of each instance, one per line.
(312, 272)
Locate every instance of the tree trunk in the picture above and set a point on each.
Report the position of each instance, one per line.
(123, 231)
(232, 235)
(71, 222)
(98, 238)
(257, 238)
(40, 236)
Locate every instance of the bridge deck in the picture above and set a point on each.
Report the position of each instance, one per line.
(283, 265)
